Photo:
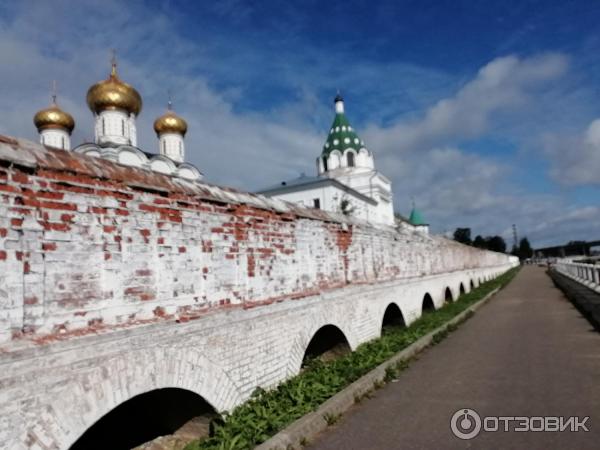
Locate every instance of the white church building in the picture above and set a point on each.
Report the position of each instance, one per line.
(116, 106)
(346, 182)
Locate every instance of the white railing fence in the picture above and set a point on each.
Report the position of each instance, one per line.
(586, 274)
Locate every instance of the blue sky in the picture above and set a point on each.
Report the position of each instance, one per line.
(484, 112)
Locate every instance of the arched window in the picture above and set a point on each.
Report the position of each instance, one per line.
(350, 159)
(164, 147)
(325, 163)
(103, 126)
(180, 149)
(122, 127)
(63, 142)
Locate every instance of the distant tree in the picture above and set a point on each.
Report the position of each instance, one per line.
(495, 244)
(479, 242)
(463, 235)
(525, 250)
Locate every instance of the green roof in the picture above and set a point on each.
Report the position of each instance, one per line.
(416, 218)
(341, 135)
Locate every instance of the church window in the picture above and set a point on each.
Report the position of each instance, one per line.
(122, 127)
(180, 149)
(103, 126)
(63, 142)
(164, 147)
(325, 163)
(350, 159)
(317, 203)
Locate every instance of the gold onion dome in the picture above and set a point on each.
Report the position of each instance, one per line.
(112, 93)
(53, 117)
(170, 123)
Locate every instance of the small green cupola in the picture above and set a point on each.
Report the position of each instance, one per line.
(341, 134)
(416, 218)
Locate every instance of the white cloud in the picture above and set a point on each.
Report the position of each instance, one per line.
(575, 160)
(502, 85)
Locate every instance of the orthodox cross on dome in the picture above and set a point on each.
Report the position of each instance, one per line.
(170, 101)
(53, 92)
(113, 62)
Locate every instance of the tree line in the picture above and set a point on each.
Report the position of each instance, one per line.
(493, 243)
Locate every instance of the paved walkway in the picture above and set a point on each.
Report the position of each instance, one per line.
(526, 353)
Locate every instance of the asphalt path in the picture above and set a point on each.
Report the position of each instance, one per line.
(528, 352)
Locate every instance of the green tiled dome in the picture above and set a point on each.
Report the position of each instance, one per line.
(341, 134)
(416, 218)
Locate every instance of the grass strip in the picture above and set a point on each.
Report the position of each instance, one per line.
(268, 412)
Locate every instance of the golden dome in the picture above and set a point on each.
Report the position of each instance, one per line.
(170, 123)
(113, 93)
(53, 117)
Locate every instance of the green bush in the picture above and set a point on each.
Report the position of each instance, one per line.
(268, 412)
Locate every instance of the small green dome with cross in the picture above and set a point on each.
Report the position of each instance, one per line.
(416, 218)
(341, 134)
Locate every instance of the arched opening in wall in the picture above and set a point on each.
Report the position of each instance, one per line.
(392, 318)
(327, 344)
(350, 159)
(428, 305)
(325, 164)
(472, 285)
(448, 296)
(461, 289)
(147, 416)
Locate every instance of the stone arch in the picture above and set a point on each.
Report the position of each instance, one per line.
(427, 305)
(461, 289)
(471, 284)
(300, 344)
(448, 296)
(75, 409)
(328, 339)
(145, 417)
(392, 317)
